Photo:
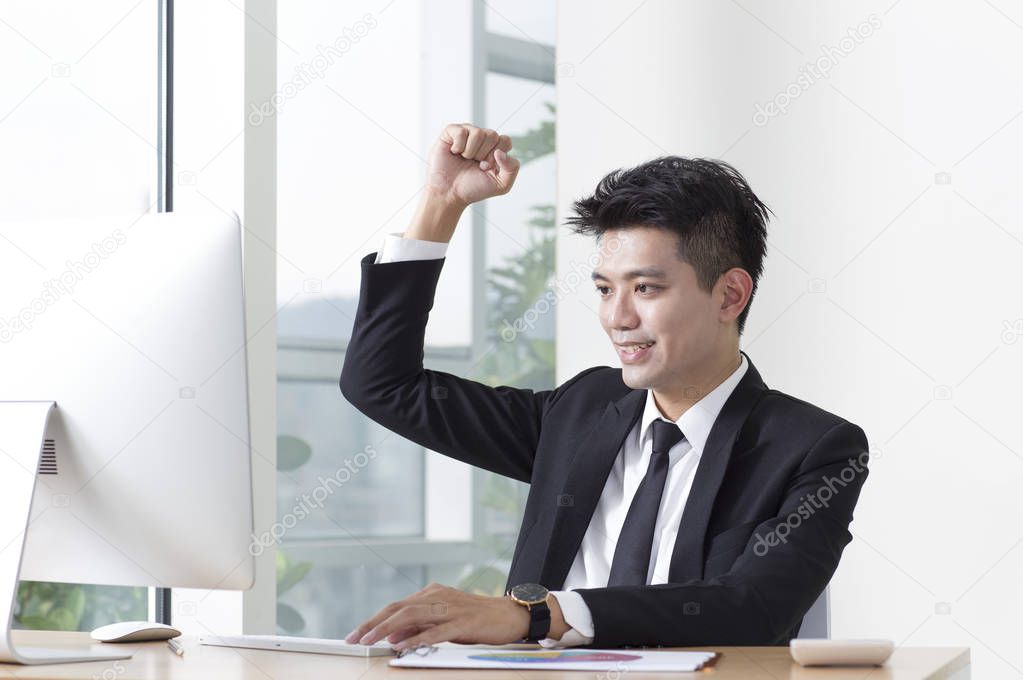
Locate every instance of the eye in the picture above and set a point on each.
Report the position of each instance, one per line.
(602, 289)
(645, 287)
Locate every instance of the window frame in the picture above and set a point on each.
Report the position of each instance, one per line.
(318, 360)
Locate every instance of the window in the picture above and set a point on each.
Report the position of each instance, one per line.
(378, 80)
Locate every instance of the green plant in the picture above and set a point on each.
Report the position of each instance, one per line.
(72, 606)
(292, 453)
(516, 356)
(289, 620)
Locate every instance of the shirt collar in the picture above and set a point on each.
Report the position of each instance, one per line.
(697, 421)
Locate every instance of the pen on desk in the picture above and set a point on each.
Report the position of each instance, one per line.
(176, 647)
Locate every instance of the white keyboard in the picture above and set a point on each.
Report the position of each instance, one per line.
(285, 643)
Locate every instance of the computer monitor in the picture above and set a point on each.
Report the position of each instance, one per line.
(134, 326)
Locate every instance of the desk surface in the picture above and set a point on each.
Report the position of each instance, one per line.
(155, 660)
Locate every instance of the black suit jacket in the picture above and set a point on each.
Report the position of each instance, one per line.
(762, 530)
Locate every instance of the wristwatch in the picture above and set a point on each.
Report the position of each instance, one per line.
(533, 597)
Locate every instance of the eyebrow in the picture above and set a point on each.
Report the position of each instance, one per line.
(645, 272)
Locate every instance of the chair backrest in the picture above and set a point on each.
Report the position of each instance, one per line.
(817, 621)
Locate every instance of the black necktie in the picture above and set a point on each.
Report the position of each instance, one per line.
(632, 554)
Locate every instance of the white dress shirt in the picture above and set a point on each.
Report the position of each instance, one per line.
(592, 563)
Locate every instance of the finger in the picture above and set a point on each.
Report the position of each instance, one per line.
(445, 632)
(455, 135)
(507, 168)
(504, 143)
(410, 616)
(490, 139)
(367, 625)
(373, 621)
(406, 633)
(476, 138)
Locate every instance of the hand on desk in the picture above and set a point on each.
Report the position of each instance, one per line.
(441, 614)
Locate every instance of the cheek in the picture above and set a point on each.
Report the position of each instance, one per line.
(671, 324)
(660, 318)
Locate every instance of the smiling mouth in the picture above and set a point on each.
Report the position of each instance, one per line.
(632, 348)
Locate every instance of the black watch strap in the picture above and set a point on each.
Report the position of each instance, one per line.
(539, 622)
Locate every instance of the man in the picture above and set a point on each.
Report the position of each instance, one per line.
(675, 501)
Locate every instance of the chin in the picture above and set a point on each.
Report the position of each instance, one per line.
(636, 379)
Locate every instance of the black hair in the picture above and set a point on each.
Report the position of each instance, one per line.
(720, 222)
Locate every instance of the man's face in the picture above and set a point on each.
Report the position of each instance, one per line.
(648, 295)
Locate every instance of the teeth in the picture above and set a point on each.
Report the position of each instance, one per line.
(636, 348)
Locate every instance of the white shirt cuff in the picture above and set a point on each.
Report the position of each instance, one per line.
(577, 615)
(399, 249)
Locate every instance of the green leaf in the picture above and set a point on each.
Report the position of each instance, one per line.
(33, 622)
(294, 574)
(292, 452)
(282, 562)
(537, 142)
(289, 574)
(288, 619)
(61, 618)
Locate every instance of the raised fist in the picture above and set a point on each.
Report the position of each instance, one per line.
(470, 164)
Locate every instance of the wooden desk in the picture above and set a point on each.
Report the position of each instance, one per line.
(153, 660)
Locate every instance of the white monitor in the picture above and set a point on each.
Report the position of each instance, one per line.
(135, 327)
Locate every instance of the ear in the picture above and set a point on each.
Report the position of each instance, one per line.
(737, 286)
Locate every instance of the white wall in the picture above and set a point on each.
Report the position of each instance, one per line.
(889, 285)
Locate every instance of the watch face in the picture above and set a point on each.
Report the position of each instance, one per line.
(529, 592)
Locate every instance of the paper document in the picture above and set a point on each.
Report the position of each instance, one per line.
(554, 659)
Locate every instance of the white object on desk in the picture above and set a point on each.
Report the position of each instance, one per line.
(285, 643)
(595, 660)
(820, 652)
(148, 366)
(134, 631)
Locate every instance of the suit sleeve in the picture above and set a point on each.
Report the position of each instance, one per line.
(495, 428)
(785, 565)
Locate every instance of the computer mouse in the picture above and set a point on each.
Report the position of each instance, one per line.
(134, 631)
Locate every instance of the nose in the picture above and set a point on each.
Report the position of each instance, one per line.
(622, 313)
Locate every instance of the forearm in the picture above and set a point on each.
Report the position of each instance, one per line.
(435, 218)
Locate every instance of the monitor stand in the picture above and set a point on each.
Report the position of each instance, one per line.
(22, 434)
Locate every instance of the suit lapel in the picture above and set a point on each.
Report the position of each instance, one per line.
(687, 556)
(587, 473)
(592, 461)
